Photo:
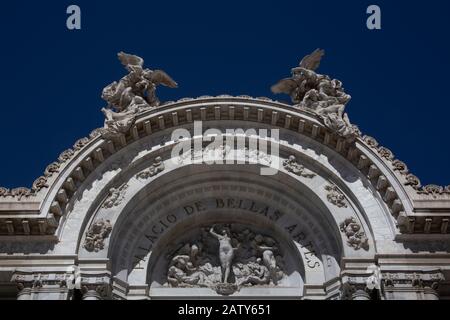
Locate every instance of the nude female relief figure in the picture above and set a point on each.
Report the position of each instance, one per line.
(226, 252)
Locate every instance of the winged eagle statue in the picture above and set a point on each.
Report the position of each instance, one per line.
(319, 94)
(132, 94)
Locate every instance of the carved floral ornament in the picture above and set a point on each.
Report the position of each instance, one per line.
(309, 91)
(52, 169)
(335, 196)
(96, 235)
(356, 237)
(115, 196)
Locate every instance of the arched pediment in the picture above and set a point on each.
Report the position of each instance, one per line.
(377, 164)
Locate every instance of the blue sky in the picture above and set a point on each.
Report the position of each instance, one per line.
(52, 77)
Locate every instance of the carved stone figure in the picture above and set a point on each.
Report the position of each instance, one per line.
(252, 273)
(293, 166)
(318, 94)
(153, 170)
(131, 94)
(115, 196)
(242, 259)
(226, 252)
(268, 257)
(356, 238)
(96, 235)
(335, 196)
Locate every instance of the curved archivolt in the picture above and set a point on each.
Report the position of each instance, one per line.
(126, 206)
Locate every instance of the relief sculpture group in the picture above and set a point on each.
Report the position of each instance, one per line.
(239, 259)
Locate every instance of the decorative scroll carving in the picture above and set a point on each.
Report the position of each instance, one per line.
(413, 181)
(51, 169)
(319, 94)
(131, 94)
(95, 133)
(39, 184)
(386, 153)
(115, 196)
(20, 192)
(4, 192)
(293, 166)
(66, 155)
(371, 142)
(356, 238)
(153, 170)
(400, 166)
(434, 190)
(409, 179)
(241, 259)
(96, 235)
(335, 196)
(80, 143)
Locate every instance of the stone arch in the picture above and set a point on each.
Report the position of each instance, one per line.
(134, 168)
(373, 167)
(378, 191)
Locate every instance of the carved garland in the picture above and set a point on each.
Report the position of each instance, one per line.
(400, 166)
(42, 182)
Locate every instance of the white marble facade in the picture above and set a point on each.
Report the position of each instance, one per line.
(119, 217)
